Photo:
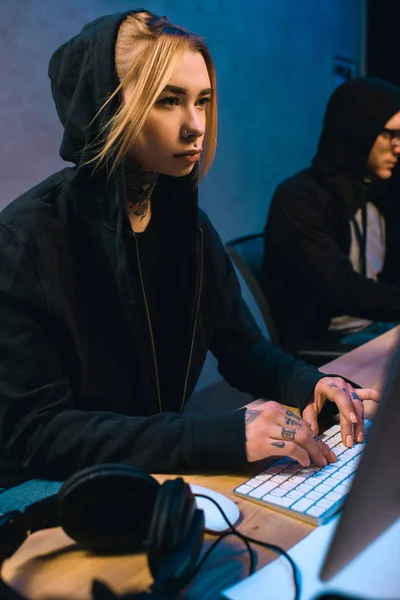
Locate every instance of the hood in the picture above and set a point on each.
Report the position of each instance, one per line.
(83, 75)
(355, 115)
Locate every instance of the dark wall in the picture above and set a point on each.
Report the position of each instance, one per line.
(383, 46)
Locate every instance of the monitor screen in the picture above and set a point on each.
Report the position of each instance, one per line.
(374, 500)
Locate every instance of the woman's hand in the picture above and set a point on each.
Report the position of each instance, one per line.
(274, 430)
(350, 403)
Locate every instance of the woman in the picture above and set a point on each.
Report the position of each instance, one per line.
(114, 285)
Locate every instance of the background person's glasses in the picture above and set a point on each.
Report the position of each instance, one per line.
(393, 135)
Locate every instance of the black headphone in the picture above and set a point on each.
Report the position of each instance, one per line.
(112, 508)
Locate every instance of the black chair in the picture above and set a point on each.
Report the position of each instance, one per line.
(246, 253)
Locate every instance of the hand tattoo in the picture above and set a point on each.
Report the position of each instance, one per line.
(278, 444)
(288, 434)
(333, 385)
(251, 415)
(355, 396)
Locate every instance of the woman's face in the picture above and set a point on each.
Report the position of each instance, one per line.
(171, 140)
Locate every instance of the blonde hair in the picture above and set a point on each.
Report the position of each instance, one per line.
(147, 52)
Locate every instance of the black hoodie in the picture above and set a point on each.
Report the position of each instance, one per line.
(78, 377)
(308, 276)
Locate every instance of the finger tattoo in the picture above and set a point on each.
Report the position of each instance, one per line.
(278, 444)
(288, 434)
(293, 415)
(292, 422)
(355, 396)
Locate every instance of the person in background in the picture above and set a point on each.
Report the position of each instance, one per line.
(114, 284)
(332, 256)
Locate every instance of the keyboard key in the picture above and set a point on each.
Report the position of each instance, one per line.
(304, 488)
(330, 432)
(294, 495)
(325, 503)
(303, 504)
(346, 484)
(309, 470)
(357, 449)
(263, 489)
(334, 496)
(244, 489)
(314, 495)
(347, 470)
(289, 485)
(275, 470)
(339, 476)
(321, 475)
(315, 511)
(278, 478)
(293, 469)
(322, 489)
(313, 481)
(278, 492)
(336, 439)
(342, 460)
(264, 476)
(342, 489)
(330, 468)
(285, 502)
(253, 482)
(298, 478)
(330, 483)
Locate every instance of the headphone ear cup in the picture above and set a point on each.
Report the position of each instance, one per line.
(175, 536)
(170, 504)
(108, 508)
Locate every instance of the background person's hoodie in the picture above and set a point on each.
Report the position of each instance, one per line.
(308, 276)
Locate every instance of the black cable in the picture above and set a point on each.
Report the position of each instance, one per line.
(247, 539)
(283, 553)
(212, 547)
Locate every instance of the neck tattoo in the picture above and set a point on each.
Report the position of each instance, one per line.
(139, 186)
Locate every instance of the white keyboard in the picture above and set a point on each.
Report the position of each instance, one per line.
(308, 493)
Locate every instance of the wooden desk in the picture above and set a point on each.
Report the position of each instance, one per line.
(49, 566)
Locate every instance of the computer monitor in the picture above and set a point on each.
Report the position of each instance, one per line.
(374, 500)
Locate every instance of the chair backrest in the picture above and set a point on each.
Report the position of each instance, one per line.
(246, 253)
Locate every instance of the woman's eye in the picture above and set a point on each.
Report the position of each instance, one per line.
(169, 101)
(204, 101)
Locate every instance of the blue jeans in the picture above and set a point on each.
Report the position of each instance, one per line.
(369, 333)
